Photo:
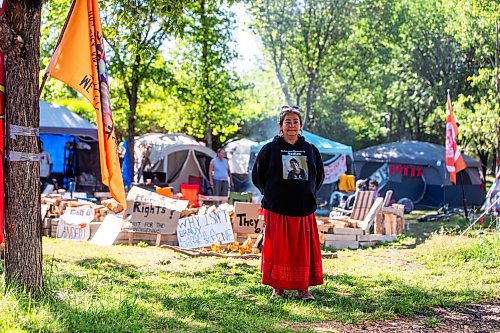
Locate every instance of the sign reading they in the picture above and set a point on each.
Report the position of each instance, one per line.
(246, 218)
(152, 213)
(202, 230)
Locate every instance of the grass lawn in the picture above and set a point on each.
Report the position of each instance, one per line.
(149, 289)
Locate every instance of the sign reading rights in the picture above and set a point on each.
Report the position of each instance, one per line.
(246, 218)
(151, 213)
(202, 230)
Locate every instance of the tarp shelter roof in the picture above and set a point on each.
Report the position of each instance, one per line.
(55, 119)
(324, 145)
(408, 152)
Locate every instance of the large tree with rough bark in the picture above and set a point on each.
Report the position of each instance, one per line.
(20, 44)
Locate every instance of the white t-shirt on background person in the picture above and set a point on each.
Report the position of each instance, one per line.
(45, 162)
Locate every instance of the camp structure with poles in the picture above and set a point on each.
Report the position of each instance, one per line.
(416, 170)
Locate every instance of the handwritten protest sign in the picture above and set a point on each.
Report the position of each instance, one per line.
(148, 212)
(202, 230)
(75, 223)
(108, 231)
(246, 218)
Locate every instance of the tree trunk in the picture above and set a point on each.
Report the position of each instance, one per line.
(23, 229)
(484, 157)
(310, 99)
(132, 102)
(206, 77)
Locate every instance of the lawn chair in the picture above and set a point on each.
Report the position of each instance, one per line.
(387, 198)
(369, 218)
(362, 204)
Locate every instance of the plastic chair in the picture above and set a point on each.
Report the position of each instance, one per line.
(240, 197)
(166, 191)
(190, 192)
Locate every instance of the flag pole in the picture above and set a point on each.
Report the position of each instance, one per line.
(466, 213)
(46, 74)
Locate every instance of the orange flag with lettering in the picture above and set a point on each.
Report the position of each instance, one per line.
(79, 61)
(454, 160)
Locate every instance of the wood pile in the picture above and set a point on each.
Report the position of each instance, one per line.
(342, 233)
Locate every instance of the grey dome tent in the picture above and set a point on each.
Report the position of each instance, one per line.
(172, 157)
(416, 170)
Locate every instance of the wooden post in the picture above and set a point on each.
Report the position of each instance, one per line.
(158, 240)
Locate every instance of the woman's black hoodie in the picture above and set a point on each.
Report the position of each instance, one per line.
(286, 192)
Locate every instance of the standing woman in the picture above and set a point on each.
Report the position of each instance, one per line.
(291, 257)
(220, 174)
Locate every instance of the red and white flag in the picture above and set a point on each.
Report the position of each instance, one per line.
(454, 160)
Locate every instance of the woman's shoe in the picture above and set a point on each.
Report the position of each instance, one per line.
(277, 293)
(305, 295)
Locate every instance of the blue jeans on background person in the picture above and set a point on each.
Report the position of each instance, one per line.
(221, 187)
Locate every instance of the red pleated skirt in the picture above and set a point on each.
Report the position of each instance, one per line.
(291, 257)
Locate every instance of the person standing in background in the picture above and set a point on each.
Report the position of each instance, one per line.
(45, 165)
(220, 174)
(373, 186)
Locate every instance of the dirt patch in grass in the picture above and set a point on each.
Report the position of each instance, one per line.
(475, 318)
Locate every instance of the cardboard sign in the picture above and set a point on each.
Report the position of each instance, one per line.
(151, 213)
(43, 210)
(246, 218)
(202, 230)
(108, 231)
(75, 223)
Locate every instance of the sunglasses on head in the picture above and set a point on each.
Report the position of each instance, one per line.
(287, 107)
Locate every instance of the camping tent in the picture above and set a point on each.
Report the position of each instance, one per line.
(171, 158)
(238, 153)
(492, 202)
(416, 170)
(60, 126)
(337, 159)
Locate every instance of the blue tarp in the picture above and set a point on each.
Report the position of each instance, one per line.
(325, 146)
(54, 144)
(59, 125)
(126, 171)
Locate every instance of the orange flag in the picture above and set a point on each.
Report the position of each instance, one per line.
(79, 61)
(454, 160)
